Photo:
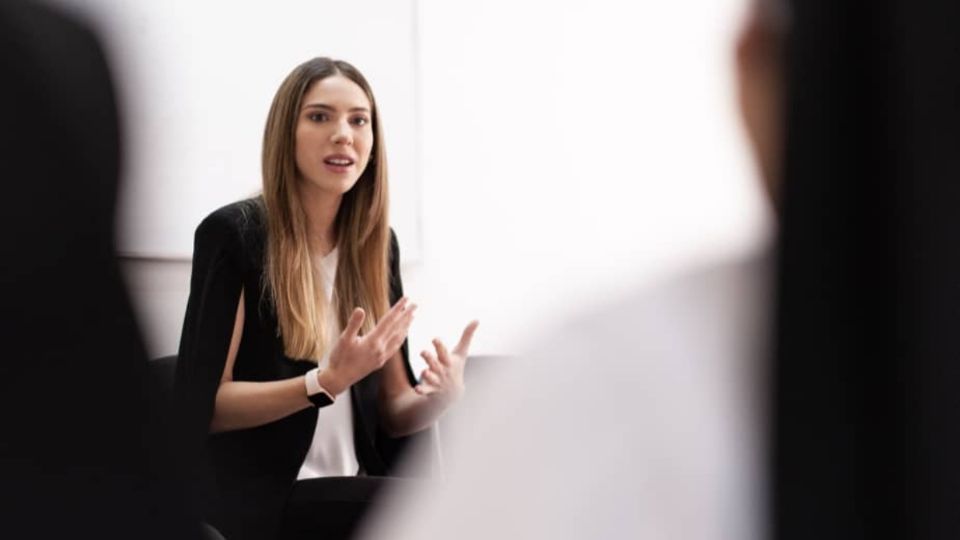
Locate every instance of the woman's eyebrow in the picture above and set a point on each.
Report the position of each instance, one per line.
(326, 107)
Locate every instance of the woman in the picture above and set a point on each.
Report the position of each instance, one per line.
(292, 358)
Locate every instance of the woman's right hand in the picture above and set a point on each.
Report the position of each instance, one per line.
(354, 356)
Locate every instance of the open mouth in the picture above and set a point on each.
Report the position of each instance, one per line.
(338, 161)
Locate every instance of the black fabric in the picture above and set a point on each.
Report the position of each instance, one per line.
(320, 400)
(866, 432)
(254, 469)
(79, 456)
(333, 508)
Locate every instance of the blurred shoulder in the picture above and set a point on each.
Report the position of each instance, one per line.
(717, 310)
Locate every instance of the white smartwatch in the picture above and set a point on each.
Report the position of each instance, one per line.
(317, 394)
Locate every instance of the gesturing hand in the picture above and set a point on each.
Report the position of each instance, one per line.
(355, 356)
(444, 374)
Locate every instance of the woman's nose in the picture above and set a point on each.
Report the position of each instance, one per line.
(342, 134)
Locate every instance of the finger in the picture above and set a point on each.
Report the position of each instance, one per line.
(408, 316)
(432, 362)
(400, 333)
(464, 345)
(431, 378)
(390, 317)
(354, 323)
(393, 345)
(425, 389)
(385, 324)
(442, 353)
(402, 325)
(395, 312)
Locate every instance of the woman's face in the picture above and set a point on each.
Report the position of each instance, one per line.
(334, 134)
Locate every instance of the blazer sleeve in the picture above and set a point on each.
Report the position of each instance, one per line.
(396, 292)
(215, 285)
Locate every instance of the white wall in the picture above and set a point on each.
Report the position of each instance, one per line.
(572, 149)
(569, 150)
(196, 78)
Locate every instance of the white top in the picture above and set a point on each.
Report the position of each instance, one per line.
(332, 452)
(641, 420)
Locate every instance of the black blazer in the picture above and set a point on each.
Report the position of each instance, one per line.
(254, 469)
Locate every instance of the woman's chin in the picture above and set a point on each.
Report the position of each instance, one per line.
(332, 186)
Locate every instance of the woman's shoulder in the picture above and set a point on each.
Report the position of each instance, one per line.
(236, 228)
(241, 218)
(393, 250)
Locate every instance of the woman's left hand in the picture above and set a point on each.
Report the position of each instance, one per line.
(443, 377)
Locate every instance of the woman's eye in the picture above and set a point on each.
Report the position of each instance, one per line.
(317, 117)
(360, 121)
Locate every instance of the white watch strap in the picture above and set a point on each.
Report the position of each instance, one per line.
(313, 385)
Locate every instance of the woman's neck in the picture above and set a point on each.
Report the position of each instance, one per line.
(321, 208)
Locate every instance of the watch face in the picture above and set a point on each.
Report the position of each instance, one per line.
(320, 399)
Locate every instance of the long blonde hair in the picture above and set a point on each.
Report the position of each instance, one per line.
(363, 232)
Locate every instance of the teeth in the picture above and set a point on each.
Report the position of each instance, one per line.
(339, 161)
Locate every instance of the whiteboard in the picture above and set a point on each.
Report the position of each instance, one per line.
(196, 79)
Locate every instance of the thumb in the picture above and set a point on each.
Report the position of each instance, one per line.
(354, 323)
(464, 345)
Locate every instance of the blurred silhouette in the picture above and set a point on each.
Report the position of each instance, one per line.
(648, 419)
(641, 420)
(80, 455)
(865, 385)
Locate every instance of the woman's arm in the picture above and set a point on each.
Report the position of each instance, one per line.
(243, 404)
(409, 409)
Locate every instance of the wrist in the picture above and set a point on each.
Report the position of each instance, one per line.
(330, 380)
(317, 394)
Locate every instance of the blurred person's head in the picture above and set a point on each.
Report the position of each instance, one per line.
(760, 72)
(323, 138)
